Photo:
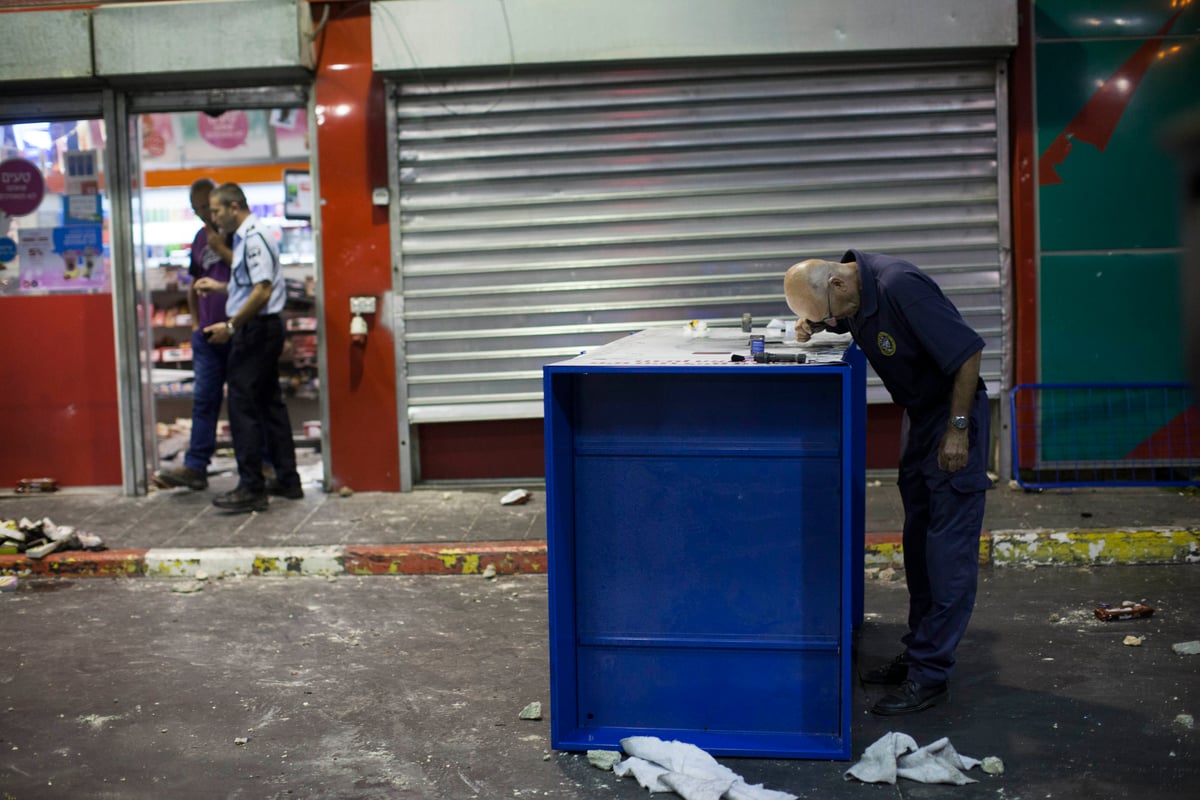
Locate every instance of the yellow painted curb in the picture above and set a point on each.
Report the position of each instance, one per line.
(1095, 547)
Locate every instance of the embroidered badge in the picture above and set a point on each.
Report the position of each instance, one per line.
(887, 345)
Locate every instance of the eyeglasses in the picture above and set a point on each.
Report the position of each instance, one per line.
(818, 326)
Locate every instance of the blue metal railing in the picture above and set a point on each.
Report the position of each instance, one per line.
(1105, 434)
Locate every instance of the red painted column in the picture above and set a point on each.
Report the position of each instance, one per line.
(351, 147)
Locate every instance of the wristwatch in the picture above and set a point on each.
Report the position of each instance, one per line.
(229, 330)
(959, 422)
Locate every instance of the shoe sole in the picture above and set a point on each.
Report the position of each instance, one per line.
(242, 508)
(896, 712)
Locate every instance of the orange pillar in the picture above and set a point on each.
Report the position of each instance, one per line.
(360, 386)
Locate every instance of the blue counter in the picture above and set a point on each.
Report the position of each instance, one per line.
(705, 534)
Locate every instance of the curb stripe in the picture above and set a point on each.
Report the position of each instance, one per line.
(1043, 547)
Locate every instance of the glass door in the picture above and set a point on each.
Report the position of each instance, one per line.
(265, 151)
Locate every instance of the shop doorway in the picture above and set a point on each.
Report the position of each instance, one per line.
(266, 151)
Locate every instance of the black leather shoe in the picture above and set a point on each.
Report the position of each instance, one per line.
(182, 476)
(290, 491)
(890, 674)
(241, 500)
(911, 697)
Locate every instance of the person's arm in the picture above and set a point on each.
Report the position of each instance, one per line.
(193, 306)
(222, 332)
(952, 455)
(216, 240)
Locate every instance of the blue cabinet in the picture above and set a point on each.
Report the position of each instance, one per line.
(705, 541)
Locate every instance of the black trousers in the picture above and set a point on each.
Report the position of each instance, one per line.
(256, 407)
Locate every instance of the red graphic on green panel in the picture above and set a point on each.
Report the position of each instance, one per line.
(1096, 121)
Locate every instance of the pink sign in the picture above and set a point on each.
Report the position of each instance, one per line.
(21, 187)
(226, 131)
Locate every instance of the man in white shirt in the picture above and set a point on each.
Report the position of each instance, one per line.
(256, 296)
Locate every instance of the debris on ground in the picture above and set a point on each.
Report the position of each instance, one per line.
(896, 755)
(489, 571)
(1191, 648)
(345, 491)
(992, 765)
(1133, 641)
(685, 769)
(1127, 610)
(1186, 720)
(33, 485)
(515, 498)
(41, 538)
(603, 759)
(8, 583)
(187, 587)
(240, 740)
(531, 711)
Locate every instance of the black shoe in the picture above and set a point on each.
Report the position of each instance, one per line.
(241, 500)
(892, 673)
(911, 697)
(290, 491)
(182, 476)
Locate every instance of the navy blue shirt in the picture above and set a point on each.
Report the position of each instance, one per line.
(909, 330)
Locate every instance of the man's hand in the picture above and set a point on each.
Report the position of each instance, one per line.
(217, 333)
(804, 331)
(952, 454)
(206, 285)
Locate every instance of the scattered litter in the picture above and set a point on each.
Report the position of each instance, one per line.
(874, 484)
(887, 575)
(1191, 648)
(1185, 720)
(1133, 641)
(897, 755)
(687, 770)
(8, 583)
(489, 571)
(32, 485)
(187, 587)
(515, 498)
(201, 575)
(240, 740)
(603, 759)
(38, 539)
(345, 491)
(1127, 610)
(531, 711)
(992, 765)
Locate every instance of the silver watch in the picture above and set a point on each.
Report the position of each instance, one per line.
(959, 422)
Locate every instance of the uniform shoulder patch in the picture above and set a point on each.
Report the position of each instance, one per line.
(887, 345)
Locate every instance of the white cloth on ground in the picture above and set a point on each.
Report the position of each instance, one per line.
(897, 755)
(685, 769)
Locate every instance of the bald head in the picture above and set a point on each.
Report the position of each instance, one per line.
(806, 287)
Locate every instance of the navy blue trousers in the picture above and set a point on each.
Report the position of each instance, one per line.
(208, 392)
(256, 407)
(943, 519)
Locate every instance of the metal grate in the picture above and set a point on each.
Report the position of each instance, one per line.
(1105, 434)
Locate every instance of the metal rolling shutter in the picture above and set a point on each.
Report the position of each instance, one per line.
(544, 213)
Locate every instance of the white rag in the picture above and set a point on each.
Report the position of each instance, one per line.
(897, 755)
(687, 770)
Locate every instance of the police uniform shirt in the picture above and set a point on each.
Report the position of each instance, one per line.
(911, 333)
(255, 259)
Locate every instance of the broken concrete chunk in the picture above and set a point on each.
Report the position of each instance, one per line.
(240, 740)
(1187, 648)
(187, 587)
(489, 571)
(1186, 720)
(1133, 641)
(992, 765)
(603, 759)
(515, 498)
(531, 711)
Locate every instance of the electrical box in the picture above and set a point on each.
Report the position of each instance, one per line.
(362, 305)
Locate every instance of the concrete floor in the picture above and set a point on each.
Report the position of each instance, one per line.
(410, 687)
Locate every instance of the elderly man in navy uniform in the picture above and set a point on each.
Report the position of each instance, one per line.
(256, 296)
(928, 358)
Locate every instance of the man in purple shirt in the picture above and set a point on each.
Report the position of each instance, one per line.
(211, 254)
